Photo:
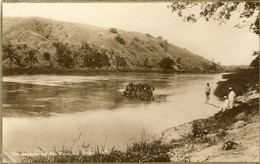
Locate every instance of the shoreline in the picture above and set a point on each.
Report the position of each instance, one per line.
(53, 71)
(240, 129)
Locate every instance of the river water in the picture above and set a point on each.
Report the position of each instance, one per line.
(52, 110)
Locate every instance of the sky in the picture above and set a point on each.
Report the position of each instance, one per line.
(223, 43)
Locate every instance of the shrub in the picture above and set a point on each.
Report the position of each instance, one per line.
(120, 62)
(120, 40)
(136, 39)
(198, 129)
(148, 35)
(113, 30)
(96, 59)
(166, 63)
(178, 60)
(66, 60)
(46, 56)
(164, 46)
(148, 151)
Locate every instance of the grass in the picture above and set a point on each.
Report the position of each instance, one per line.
(145, 150)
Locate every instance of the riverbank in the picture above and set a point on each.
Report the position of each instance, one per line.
(229, 136)
(89, 71)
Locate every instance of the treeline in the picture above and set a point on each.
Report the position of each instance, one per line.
(84, 55)
(242, 80)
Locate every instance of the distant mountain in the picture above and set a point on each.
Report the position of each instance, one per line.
(40, 42)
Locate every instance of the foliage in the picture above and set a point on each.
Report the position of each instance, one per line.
(148, 151)
(164, 46)
(139, 91)
(153, 150)
(166, 63)
(198, 129)
(66, 60)
(47, 56)
(255, 62)
(120, 40)
(120, 61)
(64, 55)
(148, 35)
(96, 59)
(220, 11)
(113, 30)
(240, 81)
(31, 58)
(10, 53)
(178, 60)
(213, 67)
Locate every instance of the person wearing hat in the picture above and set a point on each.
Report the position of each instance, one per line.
(225, 104)
(231, 97)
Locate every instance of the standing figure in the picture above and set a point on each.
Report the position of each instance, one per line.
(225, 104)
(231, 97)
(207, 92)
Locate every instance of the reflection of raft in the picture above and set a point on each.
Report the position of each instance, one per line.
(139, 91)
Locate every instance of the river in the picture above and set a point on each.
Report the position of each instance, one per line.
(52, 110)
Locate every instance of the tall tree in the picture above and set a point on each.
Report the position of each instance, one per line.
(10, 53)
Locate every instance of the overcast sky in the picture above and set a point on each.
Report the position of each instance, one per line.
(224, 43)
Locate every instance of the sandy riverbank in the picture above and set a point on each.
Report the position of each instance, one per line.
(238, 126)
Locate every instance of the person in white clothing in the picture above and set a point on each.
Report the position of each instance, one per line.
(225, 104)
(207, 92)
(231, 97)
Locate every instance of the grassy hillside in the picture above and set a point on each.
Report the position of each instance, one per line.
(59, 45)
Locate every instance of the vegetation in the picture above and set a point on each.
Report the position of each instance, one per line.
(120, 40)
(221, 12)
(145, 150)
(31, 58)
(66, 60)
(10, 53)
(139, 91)
(164, 46)
(58, 52)
(120, 62)
(166, 63)
(96, 59)
(241, 81)
(255, 62)
(113, 30)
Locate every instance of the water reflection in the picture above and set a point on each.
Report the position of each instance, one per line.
(30, 96)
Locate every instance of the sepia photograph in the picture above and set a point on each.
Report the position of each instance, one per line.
(129, 81)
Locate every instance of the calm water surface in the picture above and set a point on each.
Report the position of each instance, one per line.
(52, 110)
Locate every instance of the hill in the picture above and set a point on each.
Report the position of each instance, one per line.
(41, 43)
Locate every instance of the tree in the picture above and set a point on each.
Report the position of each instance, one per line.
(255, 62)
(66, 60)
(10, 53)
(220, 11)
(94, 58)
(166, 63)
(31, 58)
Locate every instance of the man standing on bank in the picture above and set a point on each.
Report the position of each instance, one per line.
(231, 97)
(207, 92)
